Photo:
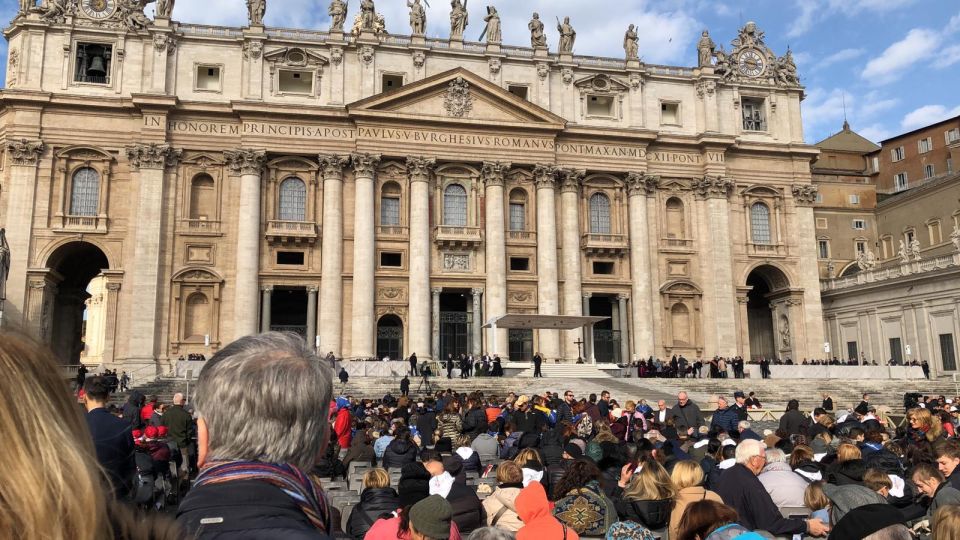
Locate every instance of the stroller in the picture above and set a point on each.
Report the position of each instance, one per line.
(155, 484)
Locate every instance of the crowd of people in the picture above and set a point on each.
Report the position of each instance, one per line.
(252, 453)
(719, 367)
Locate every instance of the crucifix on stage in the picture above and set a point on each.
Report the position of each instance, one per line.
(579, 343)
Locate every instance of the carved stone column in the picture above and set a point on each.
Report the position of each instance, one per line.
(21, 201)
(496, 252)
(265, 307)
(249, 165)
(477, 348)
(639, 186)
(435, 323)
(719, 298)
(805, 196)
(418, 322)
(41, 297)
(331, 256)
(149, 162)
(570, 245)
(311, 317)
(545, 177)
(624, 328)
(363, 325)
(588, 332)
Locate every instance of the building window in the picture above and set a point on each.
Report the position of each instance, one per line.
(196, 317)
(85, 192)
(887, 244)
(599, 214)
(933, 230)
(455, 206)
(760, 223)
(676, 226)
(852, 353)
(208, 78)
(293, 200)
(203, 197)
(823, 249)
(854, 199)
(391, 82)
(860, 246)
(669, 113)
(875, 164)
(947, 352)
(290, 258)
(519, 264)
(390, 204)
(518, 210)
(603, 268)
(897, 154)
(896, 351)
(391, 259)
(928, 171)
(518, 90)
(949, 165)
(909, 236)
(860, 224)
(822, 223)
(93, 63)
(925, 145)
(600, 106)
(900, 181)
(754, 115)
(952, 135)
(295, 82)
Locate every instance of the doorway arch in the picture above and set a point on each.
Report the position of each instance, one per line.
(67, 305)
(390, 338)
(763, 326)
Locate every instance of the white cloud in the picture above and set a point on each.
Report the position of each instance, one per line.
(815, 11)
(838, 57)
(926, 115)
(852, 7)
(875, 132)
(824, 111)
(919, 45)
(947, 57)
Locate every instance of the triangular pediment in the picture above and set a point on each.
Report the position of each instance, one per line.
(458, 95)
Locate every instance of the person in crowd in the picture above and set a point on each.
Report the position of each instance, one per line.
(687, 478)
(579, 488)
(752, 402)
(254, 478)
(785, 487)
(487, 444)
(827, 404)
(527, 419)
(471, 459)
(414, 484)
(794, 422)
(413, 364)
(131, 409)
(501, 505)
(377, 500)
(947, 519)
(872, 522)
(604, 405)
(51, 483)
(449, 425)
(428, 519)
(537, 364)
(491, 533)
(662, 414)
(740, 405)
(111, 437)
(449, 482)
(539, 522)
(930, 482)
(401, 450)
(343, 375)
(343, 424)
(405, 386)
(361, 449)
(923, 426)
(817, 501)
(648, 497)
(746, 431)
(948, 457)
(181, 431)
(686, 415)
(709, 520)
(741, 489)
(475, 419)
(725, 418)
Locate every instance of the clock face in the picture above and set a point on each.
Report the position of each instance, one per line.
(98, 9)
(751, 63)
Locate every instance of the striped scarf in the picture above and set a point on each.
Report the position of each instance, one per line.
(303, 488)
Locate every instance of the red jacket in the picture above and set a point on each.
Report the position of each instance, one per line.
(342, 427)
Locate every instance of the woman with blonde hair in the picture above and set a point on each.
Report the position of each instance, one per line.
(923, 426)
(687, 477)
(501, 505)
(848, 452)
(947, 523)
(648, 497)
(50, 484)
(377, 499)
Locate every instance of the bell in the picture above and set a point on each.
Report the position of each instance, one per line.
(96, 68)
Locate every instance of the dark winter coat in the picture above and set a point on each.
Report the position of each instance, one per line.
(468, 512)
(114, 447)
(374, 502)
(742, 490)
(793, 422)
(475, 422)
(529, 421)
(653, 515)
(686, 417)
(725, 419)
(427, 424)
(399, 453)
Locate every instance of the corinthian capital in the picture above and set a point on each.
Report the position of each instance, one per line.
(365, 164)
(714, 187)
(153, 156)
(245, 161)
(419, 168)
(24, 152)
(571, 179)
(331, 166)
(804, 194)
(545, 176)
(493, 172)
(642, 184)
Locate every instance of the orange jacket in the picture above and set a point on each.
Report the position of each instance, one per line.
(537, 515)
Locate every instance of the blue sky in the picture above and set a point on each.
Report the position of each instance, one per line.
(893, 62)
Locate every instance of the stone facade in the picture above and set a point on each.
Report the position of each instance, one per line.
(379, 191)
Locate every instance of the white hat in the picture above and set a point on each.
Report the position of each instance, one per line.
(728, 442)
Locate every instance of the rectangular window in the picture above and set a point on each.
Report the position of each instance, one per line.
(391, 260)
(900, 181)
(860, 224)
(925, 145)
(875, 163)
(952, 136)
(823, 249)
(822, 223)
(949, 165)
(896, 350)
(518, 217)
(391, 82)
(852, 352)
(599, 106)
(928, 171)
(887, 244)
(208, 78)
(389, 211)
(519, 264)
(948, 353)
(897, 154)
(670, 114)
(861, 246)
(518, 90)
(909, 235)
(933, 229)
(92, 63)
(295, 82)
(854, 199)
(754, 114)
(290, 258)
(603, 268)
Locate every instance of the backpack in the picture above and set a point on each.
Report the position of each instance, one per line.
(629, 530)
(585, 427)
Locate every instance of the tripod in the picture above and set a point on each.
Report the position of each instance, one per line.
(425, 387)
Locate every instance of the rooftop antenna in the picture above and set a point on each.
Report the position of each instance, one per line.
(843, 97)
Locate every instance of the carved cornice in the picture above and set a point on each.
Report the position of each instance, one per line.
(153, 156)
(714, 187)
(571, 180)
(24, 152)
(245, 161)
(642, 184)
(804, 194)
(365, 165)
(545, 176)
(420, 168)
(331, 166)
(493, 173)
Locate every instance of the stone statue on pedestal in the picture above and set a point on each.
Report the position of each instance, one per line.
(567, 36)
(418, 17)
(705, 50)
(538, 39)
(368, 16)
(915, 249)
(630, 43)
(27, 5)
(165, 8)
(492, 31)
(256, 9)
(458, 20)
(338, 15)
(902, 253)
(131, 13)
(955, 238)
(786, 70)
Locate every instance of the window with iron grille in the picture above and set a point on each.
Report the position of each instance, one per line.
(760, 223)
(389, 211)
(85, 192)
(599, 214)
(455, 206)
(293, 200)
(518, 217)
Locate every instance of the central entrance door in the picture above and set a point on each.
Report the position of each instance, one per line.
(288, 310)
(521, 344)
(455, 322)
(390, 338)
(606, 340)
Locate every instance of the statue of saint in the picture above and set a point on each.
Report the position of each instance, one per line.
(630, 45)
(567, 36)
(4, 265)
(418, 17)
(338, 15)
(955, 238)
(902, 253)
(787, 69)
(27, 5)
(131, 13)
(749, 35)
(368, 16)
(915, 249)
(785, 332)
(165, 8)
(458, 19)
(538, 39)
(705, 49)
(492, 31)
(256, 9)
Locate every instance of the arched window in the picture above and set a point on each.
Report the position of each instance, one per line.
(760, 223)
(676, 227)
(518, 210)
(85, 192)
(293, 200)
(196, 316)
(680, 323)
(599, 214)
(455, 206)
(390, 204)
(202, 197)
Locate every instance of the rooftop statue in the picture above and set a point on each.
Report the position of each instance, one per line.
(165, 8)
(706, 50)
(630, 45)
(418, 17)
(458, 19)
(492, 31)
(567, 36)
(368, 16)
(256, 9)
(538, 39)
(338, 15)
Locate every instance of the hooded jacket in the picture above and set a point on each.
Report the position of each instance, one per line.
(785, 487)
(399, 453)
(686, 497)
(374, 502)
(845, 498)
(414, 484)
(342, 427)
(505, 497)
(487, 446)
(652, 514)
(534, 510)
(475, 422)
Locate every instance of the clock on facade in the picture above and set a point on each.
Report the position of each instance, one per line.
(751, 63)
(98, 9)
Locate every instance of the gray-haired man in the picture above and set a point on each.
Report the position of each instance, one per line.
(263, 405)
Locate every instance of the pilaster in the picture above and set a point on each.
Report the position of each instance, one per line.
(639, 187)
(492, 175)
(571, 181)
(363, 325)
(331, 256)
(24, 157)
(545, 177)
(419, 329)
